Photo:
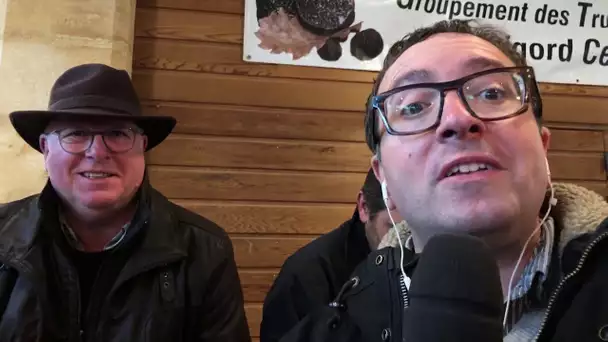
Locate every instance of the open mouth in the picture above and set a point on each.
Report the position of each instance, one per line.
(469, 168)
(96, 175)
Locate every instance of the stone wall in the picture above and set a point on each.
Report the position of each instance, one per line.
(38, 41)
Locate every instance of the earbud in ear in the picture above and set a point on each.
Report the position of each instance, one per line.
(552, 200)
(384, 191)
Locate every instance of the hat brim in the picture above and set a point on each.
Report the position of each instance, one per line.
(31, 124)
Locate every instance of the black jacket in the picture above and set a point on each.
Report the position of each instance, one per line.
(312, 277)
(371, 305)
(173, 278)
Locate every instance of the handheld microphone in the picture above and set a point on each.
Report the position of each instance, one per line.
(455, 293)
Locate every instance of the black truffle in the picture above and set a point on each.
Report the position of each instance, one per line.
(341, 39)
(331, 51)
(366, 45)
(325, 17)
(265, 7)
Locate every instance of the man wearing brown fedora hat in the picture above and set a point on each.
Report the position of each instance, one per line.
(99, 254)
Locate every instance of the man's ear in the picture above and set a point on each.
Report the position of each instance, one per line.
(144, 139)
(362, 207)
(380, 176)
(545, 136)
(43, 144)
(375, 161)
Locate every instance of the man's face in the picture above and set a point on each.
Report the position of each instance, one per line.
(96, 179)
(480, 202)
(377, 225)
(382, 223)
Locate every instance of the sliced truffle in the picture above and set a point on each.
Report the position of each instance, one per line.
(331, 51)
(366, 45)
(325, 17)
(265, 7)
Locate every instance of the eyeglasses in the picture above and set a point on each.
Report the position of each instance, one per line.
(489, 95)
(77, 141)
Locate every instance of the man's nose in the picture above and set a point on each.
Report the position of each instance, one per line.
(456, 120)
(98, 148)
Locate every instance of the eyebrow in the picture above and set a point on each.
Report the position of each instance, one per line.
(479, 63)
(414, 76)
(474, 64)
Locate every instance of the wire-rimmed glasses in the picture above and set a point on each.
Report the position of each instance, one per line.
(77, 141)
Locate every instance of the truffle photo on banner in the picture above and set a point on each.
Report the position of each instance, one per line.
(322, 27)
(565, 41)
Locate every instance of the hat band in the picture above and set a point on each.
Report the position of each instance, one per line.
(94, 101)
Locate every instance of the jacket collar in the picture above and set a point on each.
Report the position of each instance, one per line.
(18, 231)
(160, 235)
(578, 211)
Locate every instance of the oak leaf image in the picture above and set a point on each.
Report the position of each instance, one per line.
(282, 33)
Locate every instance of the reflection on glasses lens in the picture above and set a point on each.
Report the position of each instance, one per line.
(488, 96)
(78, 141)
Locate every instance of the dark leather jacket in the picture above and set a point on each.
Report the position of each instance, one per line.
(173, 278)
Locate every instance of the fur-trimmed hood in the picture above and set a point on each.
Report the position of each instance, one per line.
(578, 211)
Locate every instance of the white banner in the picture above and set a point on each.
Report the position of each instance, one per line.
(566, 41)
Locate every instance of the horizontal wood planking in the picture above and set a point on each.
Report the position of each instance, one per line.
(273, 218)
(275, 154)
(228, 28)
(262, 154)
(577, 166)
(280, 123)
(262, 185)
(262, 251)
(213, 57)
(254, 318)
(254, 91)
(256, 283)
(312, 95)
(576, 140)
(189, 25)
(198, 183)
(261, 122)
(223, 6)
(165, 54)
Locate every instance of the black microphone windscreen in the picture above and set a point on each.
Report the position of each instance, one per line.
(455, 292)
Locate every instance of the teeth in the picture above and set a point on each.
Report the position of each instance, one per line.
(96, 174)
(468, 168)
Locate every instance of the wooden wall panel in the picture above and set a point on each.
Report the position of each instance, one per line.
(310, 94)
(255, 283)
(257, 217)
(223, 6)
(272, 154)
(260, 122)
(268, 252)
(275, 154)
(248, 185)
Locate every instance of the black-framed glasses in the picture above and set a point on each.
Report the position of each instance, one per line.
(77, 141)
(489, 95)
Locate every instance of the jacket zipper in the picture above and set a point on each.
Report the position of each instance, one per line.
(79, 326)
(404, 294)
(578, 268)
(405, 300)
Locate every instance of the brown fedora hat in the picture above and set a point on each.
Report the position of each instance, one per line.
(92, 91)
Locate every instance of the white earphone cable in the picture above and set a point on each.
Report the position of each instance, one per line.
(552, 202)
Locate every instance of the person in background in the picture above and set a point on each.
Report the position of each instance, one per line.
(313, 275)
(99, 254)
